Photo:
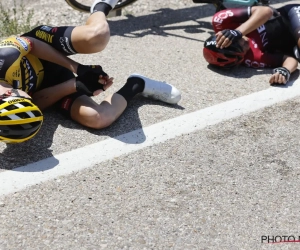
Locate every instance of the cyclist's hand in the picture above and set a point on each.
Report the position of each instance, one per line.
(83, 69)
(225, 37)
(280, 75)
(92, 84)
(106, 82)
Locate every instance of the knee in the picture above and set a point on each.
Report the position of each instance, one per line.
(101, 120)
(98, 36)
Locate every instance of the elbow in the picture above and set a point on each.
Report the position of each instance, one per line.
(263, 11)
(268, 12)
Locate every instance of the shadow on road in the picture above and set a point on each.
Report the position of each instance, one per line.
(159, 23)
(163, 21)
(243, 72)
(38, 148)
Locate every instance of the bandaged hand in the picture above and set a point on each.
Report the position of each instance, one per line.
(281, 75)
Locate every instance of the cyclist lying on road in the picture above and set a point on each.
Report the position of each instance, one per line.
(35, 65)
(258, 37)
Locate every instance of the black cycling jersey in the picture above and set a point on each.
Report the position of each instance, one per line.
(278, 34)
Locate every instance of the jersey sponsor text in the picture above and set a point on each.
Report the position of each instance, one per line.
(44, 36)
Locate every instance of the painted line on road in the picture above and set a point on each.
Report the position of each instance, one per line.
(90, 155)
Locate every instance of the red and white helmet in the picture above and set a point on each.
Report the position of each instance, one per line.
(226, 58)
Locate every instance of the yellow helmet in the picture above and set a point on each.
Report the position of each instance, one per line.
(20, 119)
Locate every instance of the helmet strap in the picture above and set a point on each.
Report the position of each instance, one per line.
(16, 92)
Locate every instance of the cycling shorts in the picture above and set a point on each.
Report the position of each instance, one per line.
(57, 37)
(291, 14)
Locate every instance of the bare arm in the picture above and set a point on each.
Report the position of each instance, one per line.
(259, 16)
(48, 53)
(290, 63)
(46, 97)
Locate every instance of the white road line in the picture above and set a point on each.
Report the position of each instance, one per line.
(76, 160)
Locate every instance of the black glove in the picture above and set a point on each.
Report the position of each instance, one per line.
(87, 80)
(232, 35)
(283, 71)
(88, 83)
(83, 69)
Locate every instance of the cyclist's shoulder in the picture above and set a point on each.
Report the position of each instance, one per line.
(20, 43)
(8, 41)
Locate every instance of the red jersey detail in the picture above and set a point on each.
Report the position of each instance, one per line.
(66, 103)
(256, 57)
(230, 18)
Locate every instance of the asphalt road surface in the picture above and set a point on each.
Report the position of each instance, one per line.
(220, 170)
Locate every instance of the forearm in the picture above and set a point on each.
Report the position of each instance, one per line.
(290, 63)
(259, 16)
(48, 96)
(48, 53)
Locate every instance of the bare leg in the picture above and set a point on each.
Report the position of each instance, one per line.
(91, 114)
(93, 36)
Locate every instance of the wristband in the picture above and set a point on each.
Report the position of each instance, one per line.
(283, 71)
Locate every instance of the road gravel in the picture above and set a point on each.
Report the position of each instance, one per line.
(223, 187)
